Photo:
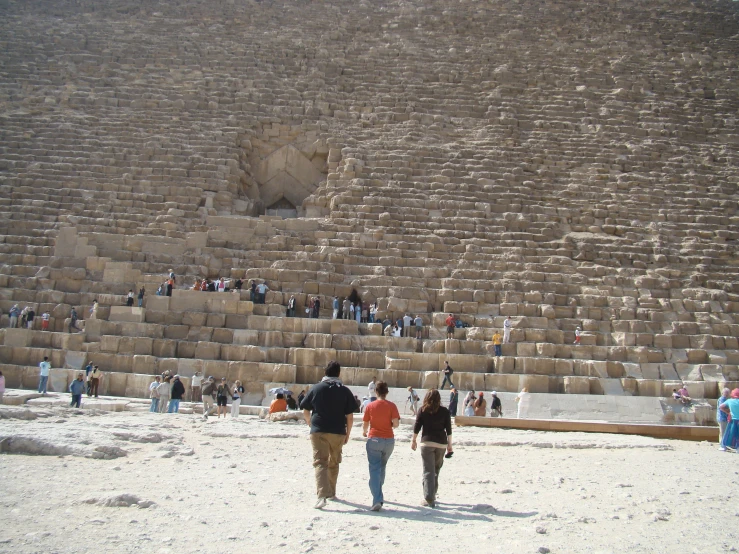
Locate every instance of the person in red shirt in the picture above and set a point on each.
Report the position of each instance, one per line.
(380, 418)
(450, 325)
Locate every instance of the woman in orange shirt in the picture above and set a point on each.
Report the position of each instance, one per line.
(380, 418)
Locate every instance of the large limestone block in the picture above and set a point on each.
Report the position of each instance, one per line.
(137, 386)
(535, 383)
(433, 346)
(216, 368)
(143, 364)
(346, 327)
(59, 379)
(109, 343)
(526, 349)
(309, 374)
(504, 364)
(176, 332)
(141, 330)
(126, 313)
(280, 373)
(164, 348)
(222, 336)
(576, 385)
(183, 300)
(233, 352)
(157, 303)
(194, 319)
(237, 321)
(245, 336)
(18, 337)
(318, 341)
(468, 381)
(398, 364)
(75, 360)
(687, 372)
(188, 367)
(114, 384)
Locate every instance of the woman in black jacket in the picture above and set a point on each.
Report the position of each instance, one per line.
(436, 438)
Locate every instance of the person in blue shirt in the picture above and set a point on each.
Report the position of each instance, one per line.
(731, 435)
(77, 387)
(722, 417)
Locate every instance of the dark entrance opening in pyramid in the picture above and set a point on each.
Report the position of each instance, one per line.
(283, 207)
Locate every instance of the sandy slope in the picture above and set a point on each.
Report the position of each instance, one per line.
(247, 485)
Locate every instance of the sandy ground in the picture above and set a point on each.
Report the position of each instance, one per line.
(247, 485)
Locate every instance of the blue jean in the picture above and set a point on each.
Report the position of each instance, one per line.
(378, 453)
(154, 405)
(141, 302)
(174, 406)
(447, 379)
(43, 382)
(498, 350)
(76, 400)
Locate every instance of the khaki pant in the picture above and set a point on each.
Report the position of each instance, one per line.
(326, 459)
(433, 459)
(196, 395)
(207, 405)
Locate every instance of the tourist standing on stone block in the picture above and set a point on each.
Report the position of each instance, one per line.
(262, 292)
(419, 327)
(413, 399)
(407, 321)
(731, 435)
(94, 310)
(30, 317)
(372, 312)
(253, 291)
(45, 368)
(291, 306)
(450, 326)
(45, 317)
(209, 396)
(76, 388)
(170, 284)
(316, 308)
(195, 384)
(365, 312)
(164, 389)
(453, 398)
(142, 292)
(153, 394)
(385, 324)
(24, 316)
(88, 369)
(335, 306)
(507, 330)
(129, 298)
(14, 315)
(222, 394)
(329, 410)
(448, 372)
(347, 309)
(379, 420)
(358, 312)
(177, 392)
(2, 386)
(236, 396)
(95, 377)
(73, 321)
(497, 341)
(496, 408)
(578, 332)
(399, 323)
(722, 418)
(522, 399)
(434, 422)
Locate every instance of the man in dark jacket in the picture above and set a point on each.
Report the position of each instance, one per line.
(496, 408)
(453, 398)
(178, 391)
(328, 409)
(448, 371)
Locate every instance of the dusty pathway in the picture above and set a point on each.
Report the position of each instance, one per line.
(247, 485)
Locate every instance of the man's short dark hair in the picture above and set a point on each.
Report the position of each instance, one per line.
(333, 369)
(280, 396)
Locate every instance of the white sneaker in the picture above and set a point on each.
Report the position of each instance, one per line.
(320, 503)
(722, 448)
(377, 507)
